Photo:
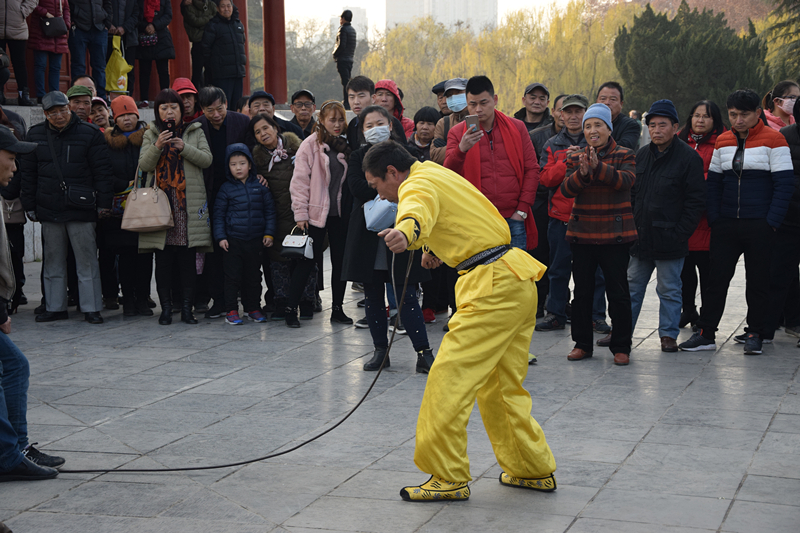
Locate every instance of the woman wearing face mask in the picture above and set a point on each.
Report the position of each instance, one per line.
(174, 155)
(456, 94)
(779, 103)
(321, 203)
(701, 131)
(369, 261)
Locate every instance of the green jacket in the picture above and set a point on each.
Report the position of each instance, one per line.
(196, 156)
(196, 16)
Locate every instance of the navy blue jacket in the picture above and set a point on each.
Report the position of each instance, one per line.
(243, 211)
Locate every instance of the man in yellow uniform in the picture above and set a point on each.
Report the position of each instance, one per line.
(485, 354)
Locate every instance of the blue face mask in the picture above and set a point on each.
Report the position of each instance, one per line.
(457, 102)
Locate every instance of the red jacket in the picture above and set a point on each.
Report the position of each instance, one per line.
(554, 171)
(499, 182)
(36, 39)
(700, 241)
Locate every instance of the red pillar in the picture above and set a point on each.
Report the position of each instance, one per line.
(275, 50)
(181, 66)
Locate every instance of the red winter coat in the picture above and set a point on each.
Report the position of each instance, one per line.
(37, 40)
(700, 241)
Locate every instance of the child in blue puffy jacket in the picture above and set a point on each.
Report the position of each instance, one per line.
(244, 223)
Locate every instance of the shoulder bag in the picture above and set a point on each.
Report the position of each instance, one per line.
(297, 246)
(75, 196)
(55, 27)
(379, 214)
(147, 209)
(13, 212)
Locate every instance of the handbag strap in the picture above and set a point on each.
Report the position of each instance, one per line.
(60, 8)
(53, 154)
(305, 232)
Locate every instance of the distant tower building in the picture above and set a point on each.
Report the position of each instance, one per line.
(475, 14)
(360, 22)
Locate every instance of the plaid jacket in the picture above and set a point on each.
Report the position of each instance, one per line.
(602, 211)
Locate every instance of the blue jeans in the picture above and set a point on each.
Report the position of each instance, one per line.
(519, 239)
(96, 41)
(40, 66)
(560, 271)
(668, 288)
(14, 373)
(411, 315)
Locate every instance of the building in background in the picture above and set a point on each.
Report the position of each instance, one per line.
(474, 14)
(360, 22)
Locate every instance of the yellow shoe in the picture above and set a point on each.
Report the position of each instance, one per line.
(436, 489)
(542, 484)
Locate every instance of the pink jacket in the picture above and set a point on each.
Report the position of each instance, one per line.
(312, 176)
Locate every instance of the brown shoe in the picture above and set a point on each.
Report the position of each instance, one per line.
(605, 341)
(577, 354)
(668, 344)
(621, 359)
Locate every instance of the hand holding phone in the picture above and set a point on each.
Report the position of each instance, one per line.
(473, 124)
(472, 133)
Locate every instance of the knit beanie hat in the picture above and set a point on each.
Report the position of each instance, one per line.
(600, 111)
(122, 105)
(663, 108)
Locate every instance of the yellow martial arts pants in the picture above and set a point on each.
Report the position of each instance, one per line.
(485, 355)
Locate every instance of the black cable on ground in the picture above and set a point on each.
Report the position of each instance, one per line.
(304, 443)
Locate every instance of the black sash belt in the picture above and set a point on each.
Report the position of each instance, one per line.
(484, 258)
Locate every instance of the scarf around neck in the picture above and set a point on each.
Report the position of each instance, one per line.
(170, 175)
(150, 8)
(277, 154)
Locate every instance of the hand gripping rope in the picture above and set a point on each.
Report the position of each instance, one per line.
(290, 450)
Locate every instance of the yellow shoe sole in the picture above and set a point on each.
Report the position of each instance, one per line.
(542, 484)
(436, 490)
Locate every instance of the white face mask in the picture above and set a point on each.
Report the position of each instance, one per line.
(787, 104)
(457, 102)
(377, 134)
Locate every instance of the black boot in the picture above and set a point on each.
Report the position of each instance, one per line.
(166, 308)
(377, 357)
(338, 316)
(128, 306)
(424, 361)
(291, 317)
(24, 98)
(143, 307)
(688, 316)
(186, 311)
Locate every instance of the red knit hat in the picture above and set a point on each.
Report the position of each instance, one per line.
(183, 86)
(123, 105)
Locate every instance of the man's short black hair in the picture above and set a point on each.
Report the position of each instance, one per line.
(347, 15)
(480, 84)
(384, 154)
(744, 100)
(612, 85)
(210, 94)
(558, 98)
(361, 83)
(427, 114)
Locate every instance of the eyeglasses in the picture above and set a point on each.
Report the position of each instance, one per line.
(307, 105)
(792, 97)
(61, 113)
(696, 115)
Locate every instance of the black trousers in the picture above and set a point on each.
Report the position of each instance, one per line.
(783, 275)
(16, 238)
(242, 267)
(16, 52)
(440, 292)
(695, 262)
(730, 238)
(170, 258)
(198, 62)
(542, 251)
(336, 228)
(214, 275)
(345, 68)
(145, 68)
(266, 266)
(135, 273)
(613, 261)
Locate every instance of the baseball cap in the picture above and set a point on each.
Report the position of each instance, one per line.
(183, 86)
(575, 99)
(98, 100)
(304, 92)
(533, 86)
(124, 105)
(439, 87)
(54, 99)
(78, 90)
(264, 94)
(10, 143)
(458, 84)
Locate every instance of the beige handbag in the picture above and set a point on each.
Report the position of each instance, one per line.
(147, 209)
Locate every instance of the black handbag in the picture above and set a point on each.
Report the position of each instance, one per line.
(75, 196)
(55, 26)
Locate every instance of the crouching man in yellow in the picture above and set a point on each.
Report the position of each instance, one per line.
(485, 353)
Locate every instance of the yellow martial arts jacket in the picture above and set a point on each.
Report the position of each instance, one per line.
(439, 209)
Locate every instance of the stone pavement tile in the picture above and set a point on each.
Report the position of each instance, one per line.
(91, 415)
(46, 433)
(51, 393)
(699, 397)
(200, 477)
(232, 357)
(44, 363)
(458, 518)
(121, 337)
(287, 529)
(658, 368)
(44, 522)
(283, 406)
(161, 354)
(212, 508)
(145, 462)
(216, 448)
(100, 397)
(583, 473)
(45, 414)
(748, 373)
(196, 370)
(378, 484)
(786, 443)
(118, 365)
(596, 525)
(692, 416)
(597, 450)
(66, 349)
(204, 403)
(774, 387)
(659, 509)
(64, 376)
(775, 464)
(402, 460)
(181, 339)
(731, 355)
(777, 490)
(746, 517)
(791, 404)
(119, 499)
(91, 440)
(620, 376)
(690, 471)
(786, 424)
(24, 495)
(365, 515)
(580, 419)
(705, 437)
(253, 428)
(488, 493)
(679, 358)
(149, 382)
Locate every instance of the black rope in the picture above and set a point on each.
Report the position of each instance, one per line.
(304, 443)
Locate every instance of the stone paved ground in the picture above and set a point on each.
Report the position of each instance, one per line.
(674, 442)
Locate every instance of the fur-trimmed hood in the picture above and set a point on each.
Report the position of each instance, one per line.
(118, 141)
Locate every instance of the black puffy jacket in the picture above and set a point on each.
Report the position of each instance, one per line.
(223, 47)
(345, 49)
(83, 158)
(792, 218)
(88, 14)
(163, 49)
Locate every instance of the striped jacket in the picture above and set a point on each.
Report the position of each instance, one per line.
(602, 211)
(766, 183)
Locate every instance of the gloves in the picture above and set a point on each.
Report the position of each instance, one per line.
(31, 216)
